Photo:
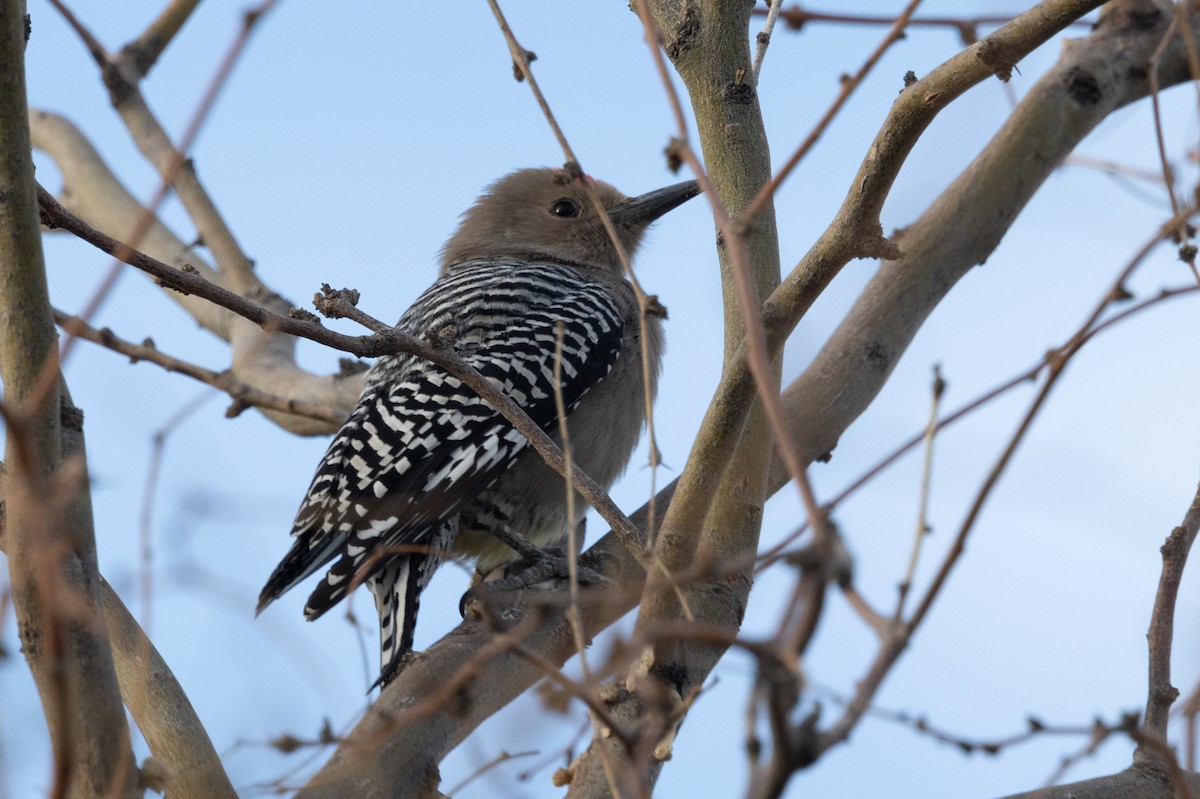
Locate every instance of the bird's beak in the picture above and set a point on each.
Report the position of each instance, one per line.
(641, 211)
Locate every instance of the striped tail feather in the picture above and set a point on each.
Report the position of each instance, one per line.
(397, 587)
(397, 590)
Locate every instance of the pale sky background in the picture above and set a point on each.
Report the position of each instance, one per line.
(344, 147)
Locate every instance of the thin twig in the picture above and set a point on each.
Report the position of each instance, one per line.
(498, 760)
(1190, 710)
(146, 520)
(243, 395)
(560, 408)
(922, 531)
(1115, 168)
(1162, 621)
(858, 603)
(1168, 174)
(583, 693)
(796, 18)
(755, 334)
(1035, 728)
(573, 554)
(1182, 10)
(1057, 366)
(646, 304)
(855, 229)
(763, 40)
(758, 362)
(652, 42)
(1100, 733)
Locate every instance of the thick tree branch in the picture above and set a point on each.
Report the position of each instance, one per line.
(1125, 785)
(162, 711)
(140, 55)
(48, 525)
(1095, 76)
(708, 43)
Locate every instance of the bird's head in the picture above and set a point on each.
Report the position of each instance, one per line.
(545, 214)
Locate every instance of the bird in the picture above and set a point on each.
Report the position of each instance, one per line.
(423, 469)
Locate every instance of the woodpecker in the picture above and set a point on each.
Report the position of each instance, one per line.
(423, 469)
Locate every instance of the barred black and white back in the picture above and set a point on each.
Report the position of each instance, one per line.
(386, 497)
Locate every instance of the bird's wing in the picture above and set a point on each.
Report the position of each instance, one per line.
(420, 444)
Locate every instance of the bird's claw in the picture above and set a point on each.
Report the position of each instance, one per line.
(540, 566)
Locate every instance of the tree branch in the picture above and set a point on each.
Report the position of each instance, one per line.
(1162, 624)
(708, 43)
(244, 396)
(141, 54)
(48, 525)
(1094, 77)
(1129, 783)
(855, 232)
(163, 712)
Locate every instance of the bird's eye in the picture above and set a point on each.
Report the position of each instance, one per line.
(567, 209)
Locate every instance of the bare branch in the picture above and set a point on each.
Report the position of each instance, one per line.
(142, 53)
(48, 526)
(260, 358)
(939, 248)
(162, 710)
(1027, 376)
(1128, 783)
(1162, 622)
(92, 192)
(939, 387)
(244, 396)
(854, 232)
(848, 87)
(901, 632)
(647, 304)
(724, 524)
(763, 39)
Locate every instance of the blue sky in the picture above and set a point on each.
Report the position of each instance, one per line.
(343, 149)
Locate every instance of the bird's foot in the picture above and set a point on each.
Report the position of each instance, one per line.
(547, 568)
(540, 564)
(544, 565)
